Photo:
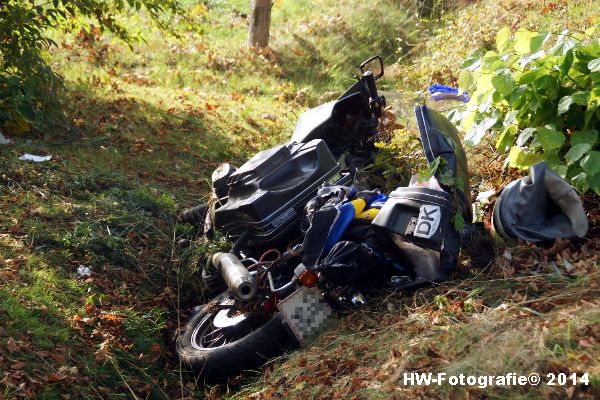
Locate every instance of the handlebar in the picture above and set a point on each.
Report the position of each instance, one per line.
(370, 81)
(376, 102)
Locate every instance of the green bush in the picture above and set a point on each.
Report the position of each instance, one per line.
(25, 77)
(538, 94)
(28, 86)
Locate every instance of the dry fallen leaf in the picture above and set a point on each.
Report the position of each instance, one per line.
(356, 384)
(302, 362)
(55, 377)
(17, 365)
(584, 358)
(11, 345)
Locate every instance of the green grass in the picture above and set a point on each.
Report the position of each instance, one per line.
(379, 345)
(145, 130)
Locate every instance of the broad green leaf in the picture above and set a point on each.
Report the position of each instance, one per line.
(484, 83)
(519, 97)
(574, 170)
(591, 163)
(550, 139)
(562, 44)
(504, 84)
(585, 56)
(538, 41)
(581, 97)
(594, 97)
(468, 119)
(576, 152)
(547, 84)
(579, 66)
(520, 158)
(534, 103)
(564, 104)
(525, 135)
(580, 182)
(497, 97)
(523, 62)
(506, 138)
(491, 62)
(527, 41)
(546, 115)
(523, 41)
(446, 178)
(426, 173)
(472, 62)
(466, 80)
(594, 182)
(565, 66)
(435, 164)
(584, 137)
(485, 102)
(478, 130)
(510, 118)
(502, 38)
(543, 82)
(590, 31)
(557, 165)
(588, 116)
(530, 76)
(583, 81)
(594, 65)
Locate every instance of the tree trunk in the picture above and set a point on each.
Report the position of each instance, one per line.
(260, 20)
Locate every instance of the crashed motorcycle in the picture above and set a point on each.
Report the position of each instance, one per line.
(305, 238)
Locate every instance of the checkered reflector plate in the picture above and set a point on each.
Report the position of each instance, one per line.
(307, 313)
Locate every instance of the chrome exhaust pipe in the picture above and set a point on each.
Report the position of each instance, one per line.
(238, 279)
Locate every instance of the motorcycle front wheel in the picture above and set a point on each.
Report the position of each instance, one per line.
(219, 341)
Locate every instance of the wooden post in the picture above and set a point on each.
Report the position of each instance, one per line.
(260, 20)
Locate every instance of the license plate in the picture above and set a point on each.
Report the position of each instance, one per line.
(307, 313)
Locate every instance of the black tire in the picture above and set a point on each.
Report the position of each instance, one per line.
(219, 179)
(194, 215)
(250, 351)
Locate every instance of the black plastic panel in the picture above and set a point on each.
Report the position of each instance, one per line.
(267, 194)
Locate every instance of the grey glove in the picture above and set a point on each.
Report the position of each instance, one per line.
(540, 207)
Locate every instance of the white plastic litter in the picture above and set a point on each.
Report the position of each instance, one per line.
(34, 158)
(485, 196)
(4, 140)
(84, 271)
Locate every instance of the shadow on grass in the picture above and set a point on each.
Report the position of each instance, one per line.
(328, 60)
(175, 149)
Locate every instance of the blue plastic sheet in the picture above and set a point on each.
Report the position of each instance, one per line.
(443, 92)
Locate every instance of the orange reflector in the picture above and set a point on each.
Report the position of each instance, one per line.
(308, 278)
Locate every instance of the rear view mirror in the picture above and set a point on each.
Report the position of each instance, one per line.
(373, 64)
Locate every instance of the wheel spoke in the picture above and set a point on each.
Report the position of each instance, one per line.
(215, 340)
(213, 333)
